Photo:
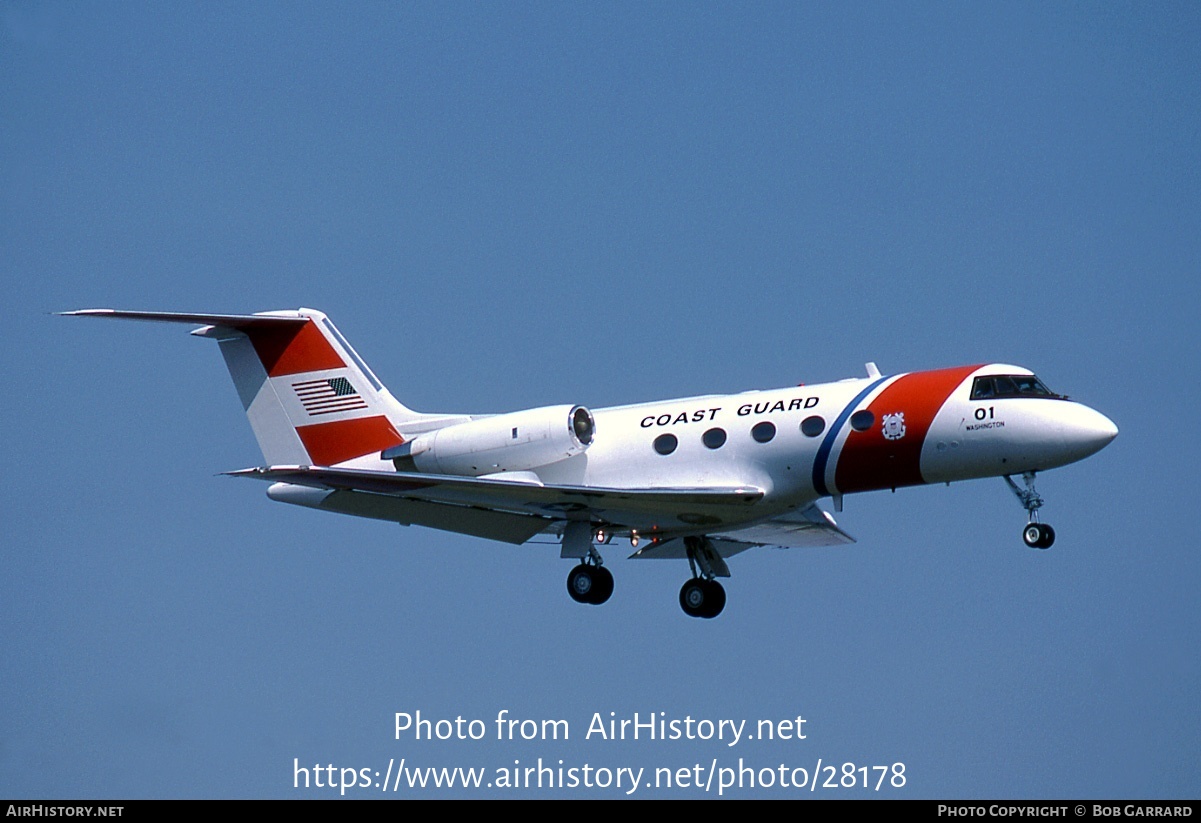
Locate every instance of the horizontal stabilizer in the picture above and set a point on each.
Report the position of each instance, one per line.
(309, 397)
(241, 322)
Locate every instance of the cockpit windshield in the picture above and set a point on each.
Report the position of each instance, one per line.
(1010, 385)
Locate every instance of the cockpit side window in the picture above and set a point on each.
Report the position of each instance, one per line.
(1009, 385)
(982, 389)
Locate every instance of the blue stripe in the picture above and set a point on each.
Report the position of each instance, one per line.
(823, 453)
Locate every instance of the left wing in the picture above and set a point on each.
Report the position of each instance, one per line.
(808, 528)
(507, 509)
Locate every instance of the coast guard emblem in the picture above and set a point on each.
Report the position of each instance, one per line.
(894, 426)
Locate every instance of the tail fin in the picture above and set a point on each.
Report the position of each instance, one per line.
(310, 398)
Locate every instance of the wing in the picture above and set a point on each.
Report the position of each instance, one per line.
(502, 509)
(807, 528)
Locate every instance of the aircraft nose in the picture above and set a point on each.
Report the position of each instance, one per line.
(1091, 431)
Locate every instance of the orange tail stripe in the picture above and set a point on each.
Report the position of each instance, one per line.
(341, 440)
(294, 351)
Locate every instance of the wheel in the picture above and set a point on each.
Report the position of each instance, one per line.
(581, 582)
(716, 599)
(702, 598)
(602, 585)
(1038, 535)
(694, 594)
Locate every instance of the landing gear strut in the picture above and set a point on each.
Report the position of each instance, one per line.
(1035, 534)
(702, 596)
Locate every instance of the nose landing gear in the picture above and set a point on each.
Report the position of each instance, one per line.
(1036, 535)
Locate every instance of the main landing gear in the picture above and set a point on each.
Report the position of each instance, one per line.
(1035, 534)
(703, 596)
(590, 582)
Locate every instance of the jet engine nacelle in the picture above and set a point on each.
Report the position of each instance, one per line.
(506, 442)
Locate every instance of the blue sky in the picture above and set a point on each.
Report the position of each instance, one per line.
(514, 205)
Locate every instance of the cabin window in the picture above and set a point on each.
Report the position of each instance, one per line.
(666, 443)
(813, 426)
(763, 432)
(862, 420)
(714, 438)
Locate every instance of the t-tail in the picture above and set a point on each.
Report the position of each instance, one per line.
(310, 398)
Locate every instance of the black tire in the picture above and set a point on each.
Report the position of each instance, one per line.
(1048, 538)
(694, 597)
(581, 583)
(602, 585)
(716, 600)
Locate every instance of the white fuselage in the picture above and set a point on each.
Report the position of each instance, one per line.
(828, 439)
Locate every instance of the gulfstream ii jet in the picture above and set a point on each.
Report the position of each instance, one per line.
(698, 478)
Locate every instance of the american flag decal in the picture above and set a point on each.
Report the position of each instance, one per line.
(334, 394)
